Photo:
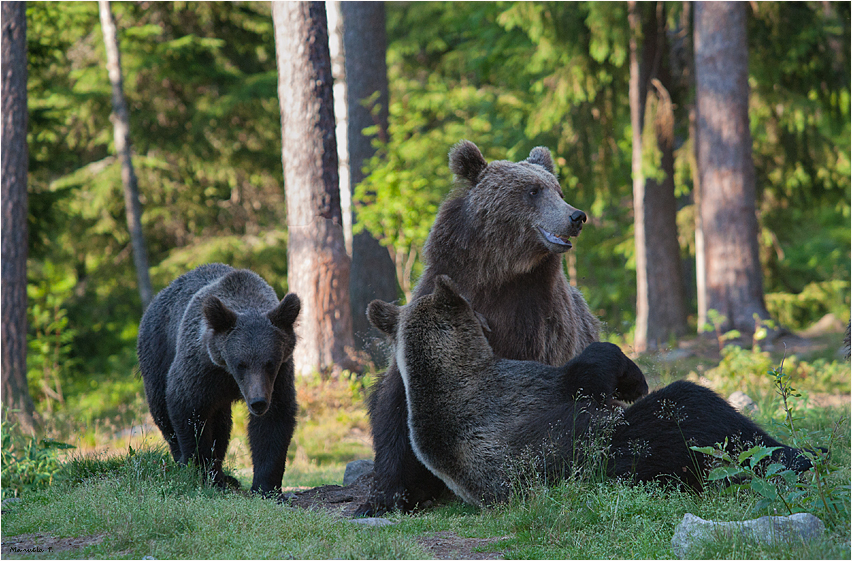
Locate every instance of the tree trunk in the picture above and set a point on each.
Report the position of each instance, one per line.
(121, 128)
(734, 281)
(16, 396)
(700, 273)
(660, 298)
(373, 271)
(317, 264)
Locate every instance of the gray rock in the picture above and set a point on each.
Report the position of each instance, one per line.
(692, 531)
(742, 402)
(356, 469)
(11, 501)
(371, 522)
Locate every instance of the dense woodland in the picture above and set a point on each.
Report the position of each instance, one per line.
(200, 80)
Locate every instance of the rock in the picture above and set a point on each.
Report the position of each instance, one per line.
(356, 469)
(11, 501)
(693, 530)
(829, 323)
(742, 402)
(372, 522)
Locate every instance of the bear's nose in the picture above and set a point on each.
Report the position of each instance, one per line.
(258, 406)
(578, 216)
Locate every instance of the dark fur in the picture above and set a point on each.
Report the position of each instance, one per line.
(471, 414)
(213, 336)
(654, 442)
(488, 237)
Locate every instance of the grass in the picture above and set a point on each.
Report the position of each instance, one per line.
(131, 493)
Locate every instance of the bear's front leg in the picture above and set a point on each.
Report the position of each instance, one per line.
(269, 438)
(202, 437)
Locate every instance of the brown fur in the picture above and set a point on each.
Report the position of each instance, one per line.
(500, 236)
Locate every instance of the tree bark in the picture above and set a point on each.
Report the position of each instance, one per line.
(660, 298)
(734, 281)
(373, 273)
(16, 397)
(317, 264)
(121, 128)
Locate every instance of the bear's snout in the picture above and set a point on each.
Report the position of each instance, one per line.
(578, 216)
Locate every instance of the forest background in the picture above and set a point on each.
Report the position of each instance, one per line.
(201, 79)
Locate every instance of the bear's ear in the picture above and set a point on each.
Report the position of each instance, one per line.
(285, 313)
(447, 291)
(541, 156)
(219, 317)
(384, 316)
(466, 161)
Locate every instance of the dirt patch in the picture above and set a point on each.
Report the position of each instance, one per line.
(334, 499)
(447, 545)
(45, 543)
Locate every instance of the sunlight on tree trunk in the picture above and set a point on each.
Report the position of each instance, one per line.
(317, 264)
(121, 128)
(734, 281)
(16, 396)
(660, 298)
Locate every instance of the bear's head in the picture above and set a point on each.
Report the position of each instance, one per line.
(519, 201)
(251, 345)
(436, 331)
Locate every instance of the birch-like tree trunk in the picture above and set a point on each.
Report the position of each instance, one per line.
(121, 128)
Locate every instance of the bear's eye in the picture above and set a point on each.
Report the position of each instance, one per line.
(533, 191)
(242, 365)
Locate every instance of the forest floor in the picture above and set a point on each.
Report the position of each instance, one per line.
(695, 356)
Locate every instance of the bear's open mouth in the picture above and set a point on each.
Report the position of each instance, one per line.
(554, 239)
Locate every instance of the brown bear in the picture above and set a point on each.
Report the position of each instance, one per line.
(500, 236)
(473, 418)
(216, 335)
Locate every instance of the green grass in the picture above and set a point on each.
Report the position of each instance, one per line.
(143, 504)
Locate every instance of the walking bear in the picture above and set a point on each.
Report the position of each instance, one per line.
(213, 336)
(471, 415)
(500, 236)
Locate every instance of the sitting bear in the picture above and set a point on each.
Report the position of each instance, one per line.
(500, 236)
(213, 336)
(472, 414)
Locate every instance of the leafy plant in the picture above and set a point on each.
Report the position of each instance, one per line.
(29, 463)
(778, 486)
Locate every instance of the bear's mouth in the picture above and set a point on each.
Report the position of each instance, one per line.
(560, 241)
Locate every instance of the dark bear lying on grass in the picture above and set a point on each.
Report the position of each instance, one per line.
(213, 336)
(472, 415)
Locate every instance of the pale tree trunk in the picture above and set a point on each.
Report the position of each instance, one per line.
(317, 264)
(18, 404)
(700, 273)
(660, 298)
(734, 281)
(121, 128)
(373, 271)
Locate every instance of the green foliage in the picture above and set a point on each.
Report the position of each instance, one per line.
(798, 311)
(29, 463)
(779, 488)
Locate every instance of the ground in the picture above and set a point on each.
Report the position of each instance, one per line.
(335, 500)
